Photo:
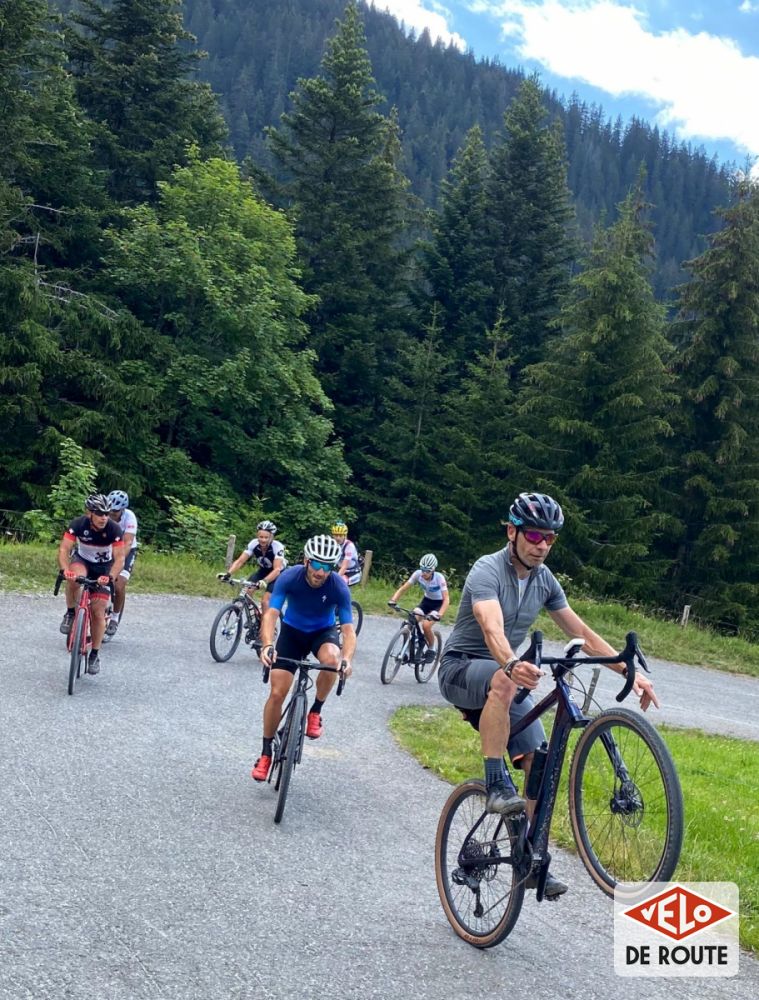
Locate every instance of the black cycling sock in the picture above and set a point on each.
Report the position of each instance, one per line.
(70, 611)
(493, 770)
(317, 706)
(266, 752)
(93, 653)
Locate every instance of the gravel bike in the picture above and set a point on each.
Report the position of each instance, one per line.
(287, 747)
(625, 808)
(79, 639)
(409, 645)
(243, 613)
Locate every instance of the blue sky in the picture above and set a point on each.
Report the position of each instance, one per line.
(689, 67)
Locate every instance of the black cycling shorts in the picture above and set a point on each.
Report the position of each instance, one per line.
(259, 575)
(296, 645)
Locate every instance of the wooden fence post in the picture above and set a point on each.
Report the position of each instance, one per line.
(230, 551)
(367, 566)
(685, 615)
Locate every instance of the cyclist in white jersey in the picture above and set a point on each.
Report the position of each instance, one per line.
(125, 518)
(435, 601)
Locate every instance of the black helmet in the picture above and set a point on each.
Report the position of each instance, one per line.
(536, 510)
(97, 503)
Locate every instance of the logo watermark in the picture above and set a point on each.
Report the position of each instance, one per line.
(676, 929)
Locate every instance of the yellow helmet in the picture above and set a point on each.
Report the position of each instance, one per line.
(339, 528)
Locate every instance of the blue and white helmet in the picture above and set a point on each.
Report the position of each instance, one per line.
(118, 500)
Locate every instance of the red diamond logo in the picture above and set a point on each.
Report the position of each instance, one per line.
(677, 913)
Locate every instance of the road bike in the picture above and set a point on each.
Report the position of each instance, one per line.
(243, 614)
(625, 807)
(409, 645)
(287, 747)
(79, 639)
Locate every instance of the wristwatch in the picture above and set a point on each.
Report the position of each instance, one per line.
(508, 667)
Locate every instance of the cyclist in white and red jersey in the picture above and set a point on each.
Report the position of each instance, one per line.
(91, 546)
(126, 519)
(349, 567)
(435, 601)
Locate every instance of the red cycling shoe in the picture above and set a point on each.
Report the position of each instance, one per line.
(314, 726)
(261, 769)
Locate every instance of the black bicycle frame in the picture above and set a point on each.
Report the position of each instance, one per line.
(568, 717)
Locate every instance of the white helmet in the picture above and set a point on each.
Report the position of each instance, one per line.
(118, 500)
(428, 563)
(323, 548)
(267, 526)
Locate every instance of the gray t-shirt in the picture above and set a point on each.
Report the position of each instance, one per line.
(493, 578)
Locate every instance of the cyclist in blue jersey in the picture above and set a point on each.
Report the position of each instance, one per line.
(435, 601)
(309, 595)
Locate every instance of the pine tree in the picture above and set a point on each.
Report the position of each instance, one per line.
(131, 64)
(594, 415)
(347, 196)
(458, 266)
(718, 330)
(407, 455)
(531, 216)
(480, 473)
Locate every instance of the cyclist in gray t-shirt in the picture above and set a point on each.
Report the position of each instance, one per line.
(480, 672)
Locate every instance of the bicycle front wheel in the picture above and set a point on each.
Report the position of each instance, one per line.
(480, 891)
(225, 633)
(358, 616)
(424, 671)
(78, 657)
(625, 801)
(394, 653)
(292, 740)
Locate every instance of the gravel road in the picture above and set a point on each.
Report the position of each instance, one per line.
(139, 860)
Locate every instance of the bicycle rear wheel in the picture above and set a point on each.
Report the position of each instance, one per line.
(225, 632)
(78, 651)
(482, 900)
(625, 801)
(358, 616)
(424, 671)
(391, 664)
(292, 740)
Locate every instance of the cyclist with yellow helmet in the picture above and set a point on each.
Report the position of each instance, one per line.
(350, 567)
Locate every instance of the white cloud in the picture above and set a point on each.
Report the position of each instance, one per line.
(747, 7)
(416, 14)
(703, 85)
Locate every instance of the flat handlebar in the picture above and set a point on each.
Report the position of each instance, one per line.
(406, 611)
(310, 665)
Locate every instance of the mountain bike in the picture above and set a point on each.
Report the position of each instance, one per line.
(242, 613)
(409, 645)
(625, 808)
(287, 747)
(79, 639)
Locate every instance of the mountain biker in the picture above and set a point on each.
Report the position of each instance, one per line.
(126, 520)
(480, 672)
(312, 591)
(91, 546)
(350, 567)
(269, 556)
(435, 601)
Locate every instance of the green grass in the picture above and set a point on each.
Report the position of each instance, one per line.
(32, 567)
(718, 776)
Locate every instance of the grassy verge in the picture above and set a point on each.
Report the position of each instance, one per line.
(32, 567)
(719, 779)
